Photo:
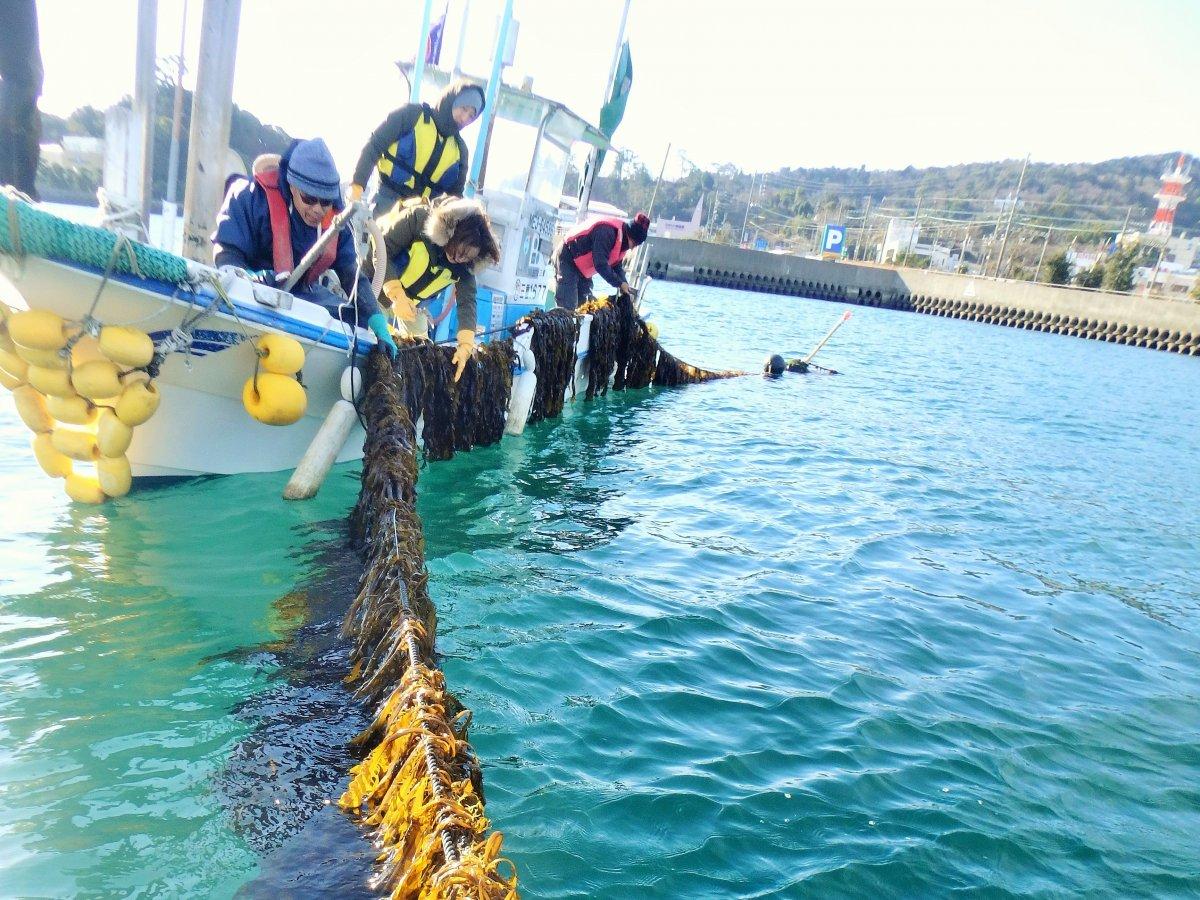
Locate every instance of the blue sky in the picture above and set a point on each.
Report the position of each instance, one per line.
(757, 83)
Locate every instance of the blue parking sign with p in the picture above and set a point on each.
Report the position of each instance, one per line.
(834, 240)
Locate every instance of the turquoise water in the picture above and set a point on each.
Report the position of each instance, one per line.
(923, 629)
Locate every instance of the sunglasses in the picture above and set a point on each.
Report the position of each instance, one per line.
(314, 201)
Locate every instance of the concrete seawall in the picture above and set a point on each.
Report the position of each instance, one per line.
(1151, 322)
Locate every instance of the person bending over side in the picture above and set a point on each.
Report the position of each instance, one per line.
(596, 246)
(267, 225)
(418, 151)
(431, 246)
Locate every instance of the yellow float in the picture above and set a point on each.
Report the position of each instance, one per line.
(97, 380)
(47, 359)
(53, 463)
(51, 382)
(74, 410)
(280, 354)
(85, 350)
(37, 329)
(112, 435)
(114, 475)
(80, 445)
(84, 488)
(12, 382)
(13, 364)
(276, 400)
(137, 403)
(126, 346)
(31, 407)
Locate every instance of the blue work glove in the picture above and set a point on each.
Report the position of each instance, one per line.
(378, 324)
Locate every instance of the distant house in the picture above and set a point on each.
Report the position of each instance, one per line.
(904, 236)
(679, 228)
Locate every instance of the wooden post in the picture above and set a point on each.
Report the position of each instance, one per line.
(208, 137)
(141, 146)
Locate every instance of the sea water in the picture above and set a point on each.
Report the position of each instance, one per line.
(924, 628)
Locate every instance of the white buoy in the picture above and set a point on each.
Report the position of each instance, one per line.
(579, 381)
(319, 457)
(524, 385)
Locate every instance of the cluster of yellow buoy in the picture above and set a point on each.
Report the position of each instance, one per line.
(274, 396)
(80, 395)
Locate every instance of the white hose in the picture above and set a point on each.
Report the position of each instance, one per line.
(378, 255)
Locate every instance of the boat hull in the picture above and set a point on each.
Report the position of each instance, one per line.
(201, 426)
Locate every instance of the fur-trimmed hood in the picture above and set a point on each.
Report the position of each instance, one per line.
(445, 216)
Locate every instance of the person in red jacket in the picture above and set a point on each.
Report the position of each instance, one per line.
(596, 246)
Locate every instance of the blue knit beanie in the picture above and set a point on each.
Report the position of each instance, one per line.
(311, 170)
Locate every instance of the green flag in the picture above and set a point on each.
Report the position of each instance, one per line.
(618, 95)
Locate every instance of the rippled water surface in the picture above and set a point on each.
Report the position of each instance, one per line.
(925, 628)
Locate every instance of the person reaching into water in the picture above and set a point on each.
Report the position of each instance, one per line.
(596, 246)
(418, 151)
(431, 246)
(267, 225)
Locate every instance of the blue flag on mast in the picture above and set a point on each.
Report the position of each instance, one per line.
(433, 47)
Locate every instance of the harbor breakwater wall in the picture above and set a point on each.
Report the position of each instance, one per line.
(1152, 322)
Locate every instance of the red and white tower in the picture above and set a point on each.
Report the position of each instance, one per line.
(1169, 196)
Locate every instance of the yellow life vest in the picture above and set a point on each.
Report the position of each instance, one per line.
(422, 162)
(425, 272)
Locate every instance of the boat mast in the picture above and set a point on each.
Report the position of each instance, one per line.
(490, 101)
(141, 156)
(422, 49)
(589, 169)
(208, 136)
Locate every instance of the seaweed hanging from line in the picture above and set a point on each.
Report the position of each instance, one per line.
(555, 335)
(419, 786)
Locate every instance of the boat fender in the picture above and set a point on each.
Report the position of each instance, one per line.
(352, 383)
(31, 407)
(84, 488)
(280, 354)
(126, 346)
(774, 365)
(47, 359)
(137, 403)
(13, 364)
(80, 445)
(114, 475)
(112, 436)
(37, 329)
(74, 410)
(53, 463)
(97, 380)
(275, 400)
(51, 382)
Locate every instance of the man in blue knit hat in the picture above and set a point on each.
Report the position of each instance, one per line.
(268, 224)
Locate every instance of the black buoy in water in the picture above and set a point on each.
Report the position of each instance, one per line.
(774, 365)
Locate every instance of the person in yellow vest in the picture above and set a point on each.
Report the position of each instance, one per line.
(418, 151)
(431, 246)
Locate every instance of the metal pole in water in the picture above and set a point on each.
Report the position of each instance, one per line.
(419, 59)
(489, 101)
(208, 136)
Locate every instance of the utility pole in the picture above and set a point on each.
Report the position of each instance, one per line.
(1128, 213)
(170, 207)
(1012, 211)
(862, 248)
(746, 219)
(208, 136)
(1038, 273)
(912, 234)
